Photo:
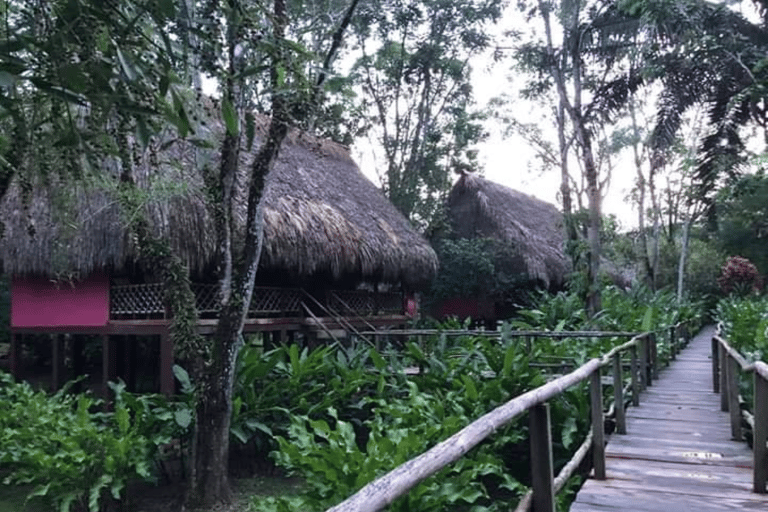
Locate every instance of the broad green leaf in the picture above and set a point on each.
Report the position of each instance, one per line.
(183, 417)
(125, 64)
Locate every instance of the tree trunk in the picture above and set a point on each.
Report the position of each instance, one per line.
(209, 482)
(683, 257)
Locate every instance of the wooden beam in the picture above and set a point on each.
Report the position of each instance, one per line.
(723, 378)
(715, 366)
(760, 452)
(167, 384)
(732, 369)
(635, 377)
(58, 369)
(542, 475)
(618, 395)
(108, 364)
(15, 355)
(643, 362)
(598, 430)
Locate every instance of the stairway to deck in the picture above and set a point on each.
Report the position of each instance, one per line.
(677, 454)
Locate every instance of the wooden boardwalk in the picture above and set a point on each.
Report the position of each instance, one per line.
(677, 455)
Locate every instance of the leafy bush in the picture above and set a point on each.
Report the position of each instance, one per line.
(73, 455)
(745, 323)
(740, 276)
(461, 379)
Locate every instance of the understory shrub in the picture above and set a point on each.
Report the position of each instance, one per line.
(74, 455)
(739, 276)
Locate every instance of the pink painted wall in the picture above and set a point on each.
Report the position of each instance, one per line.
(38, 302)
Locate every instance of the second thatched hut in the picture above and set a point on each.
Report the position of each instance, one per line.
(529, 231)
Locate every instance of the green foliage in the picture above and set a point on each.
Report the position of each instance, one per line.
(743, 218)
(73, 455)
(340, 417)
(479, 268)
(745, 324)
(414, 70)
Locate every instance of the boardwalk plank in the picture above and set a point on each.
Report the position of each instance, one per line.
(677, 455)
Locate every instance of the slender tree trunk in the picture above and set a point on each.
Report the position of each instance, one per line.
(683, 258)
(641, 190)
(655, 210)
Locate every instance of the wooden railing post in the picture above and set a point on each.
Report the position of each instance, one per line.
(598, 432)
(673, 342)
(618, 395)
(635, 377)
(722, 354)
(644, 362)
(654, 356)
(760, 453)
(715, 365)
(732, 369)
(542, 479)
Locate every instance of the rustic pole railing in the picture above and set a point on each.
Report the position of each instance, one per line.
(384, 490)
(727, 363)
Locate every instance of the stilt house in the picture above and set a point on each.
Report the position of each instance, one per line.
(337, 255)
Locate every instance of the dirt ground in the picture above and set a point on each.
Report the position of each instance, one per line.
(168, 498)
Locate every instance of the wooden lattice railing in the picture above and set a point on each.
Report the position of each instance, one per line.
(147, 300)
(364, 303)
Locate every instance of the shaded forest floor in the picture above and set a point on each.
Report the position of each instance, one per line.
(165, 498)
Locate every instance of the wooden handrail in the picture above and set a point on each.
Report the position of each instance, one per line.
(511, 334)
(726, 364)
(384, 490)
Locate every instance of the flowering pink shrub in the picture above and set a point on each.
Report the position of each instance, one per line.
(739, 275)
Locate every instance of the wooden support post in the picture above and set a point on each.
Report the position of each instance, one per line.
(654, 358)
(277, 338)
(58, 370)
(528, 344)
(715, 366)
(635, 377)
(167, 384)
(108, 364)
(598, 430)
(643, 362)
(733, 397)
(15, 355)
(618, 395)
(542, 479)
(78, 359)
(131, 350)
(723, 378)
(760, 452)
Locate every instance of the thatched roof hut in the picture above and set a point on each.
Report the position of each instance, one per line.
(322, 217)
(481, 208)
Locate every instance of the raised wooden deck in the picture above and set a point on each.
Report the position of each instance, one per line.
(677, 454)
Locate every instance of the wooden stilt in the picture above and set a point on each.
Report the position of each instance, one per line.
(167, 384)
(130, 360)
(108, 363)
(78, 359)
(15, 355)
(58, 369)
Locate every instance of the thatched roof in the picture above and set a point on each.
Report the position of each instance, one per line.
(481, 208)
(322, 217)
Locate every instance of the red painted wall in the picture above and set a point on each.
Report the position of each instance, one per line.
(463, 308)
(38, 302)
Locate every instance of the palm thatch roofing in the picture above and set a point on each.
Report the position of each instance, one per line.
(481, 208)
(322, 216)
